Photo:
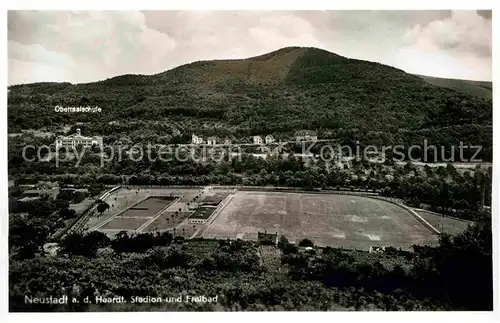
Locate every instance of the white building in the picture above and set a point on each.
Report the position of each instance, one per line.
(257, 140)
(211, 140)
(376, 249)
(269, 139)
(73, 141)
(196, 140)
(202, 215)
(306, 135)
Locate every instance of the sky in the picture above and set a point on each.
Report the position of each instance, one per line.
(86, 46)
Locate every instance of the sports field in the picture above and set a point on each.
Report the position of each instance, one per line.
(146, 209)
(329, 220)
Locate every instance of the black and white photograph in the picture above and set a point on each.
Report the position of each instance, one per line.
(249, 161)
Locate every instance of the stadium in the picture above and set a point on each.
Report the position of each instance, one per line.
(336, 219)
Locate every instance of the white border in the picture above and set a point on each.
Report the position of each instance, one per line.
(371, 317)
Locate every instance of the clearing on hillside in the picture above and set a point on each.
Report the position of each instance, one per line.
(329, 220)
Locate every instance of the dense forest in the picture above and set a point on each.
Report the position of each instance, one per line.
(280, 92)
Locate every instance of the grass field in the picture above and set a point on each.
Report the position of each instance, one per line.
(443, 223)
(329, 220)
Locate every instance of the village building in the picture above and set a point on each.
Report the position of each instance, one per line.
(196, 140)
(306, 135)
(269, 139)
(211, 141)
(257, 140)
(202, 215)
(76, 140)
(266, 238)
(377, 249)
(205, 209)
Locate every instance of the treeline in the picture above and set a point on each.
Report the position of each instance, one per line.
(443, 189)
(228, 256)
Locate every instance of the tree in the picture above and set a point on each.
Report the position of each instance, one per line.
(444, 196)
(164, 258)
(99, 238)
(101, 207)
(94, 189)
(77, 244)
(440, 270)
(283, 242)
(306, 243)
(29, 234)
(67, 213)
(65, 194)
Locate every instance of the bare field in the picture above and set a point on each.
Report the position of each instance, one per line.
(329, 220)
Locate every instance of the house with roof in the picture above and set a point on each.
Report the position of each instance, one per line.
(211, 141)
(306, 135)
(257, 140)
(202, 215)
(269, 139)
(196, 140)
(266, 238)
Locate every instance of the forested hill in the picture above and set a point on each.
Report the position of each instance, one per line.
(279, 92)
(477, 88)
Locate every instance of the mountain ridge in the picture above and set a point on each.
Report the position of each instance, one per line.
(278, 92)
(259, 58)
(478, 88)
